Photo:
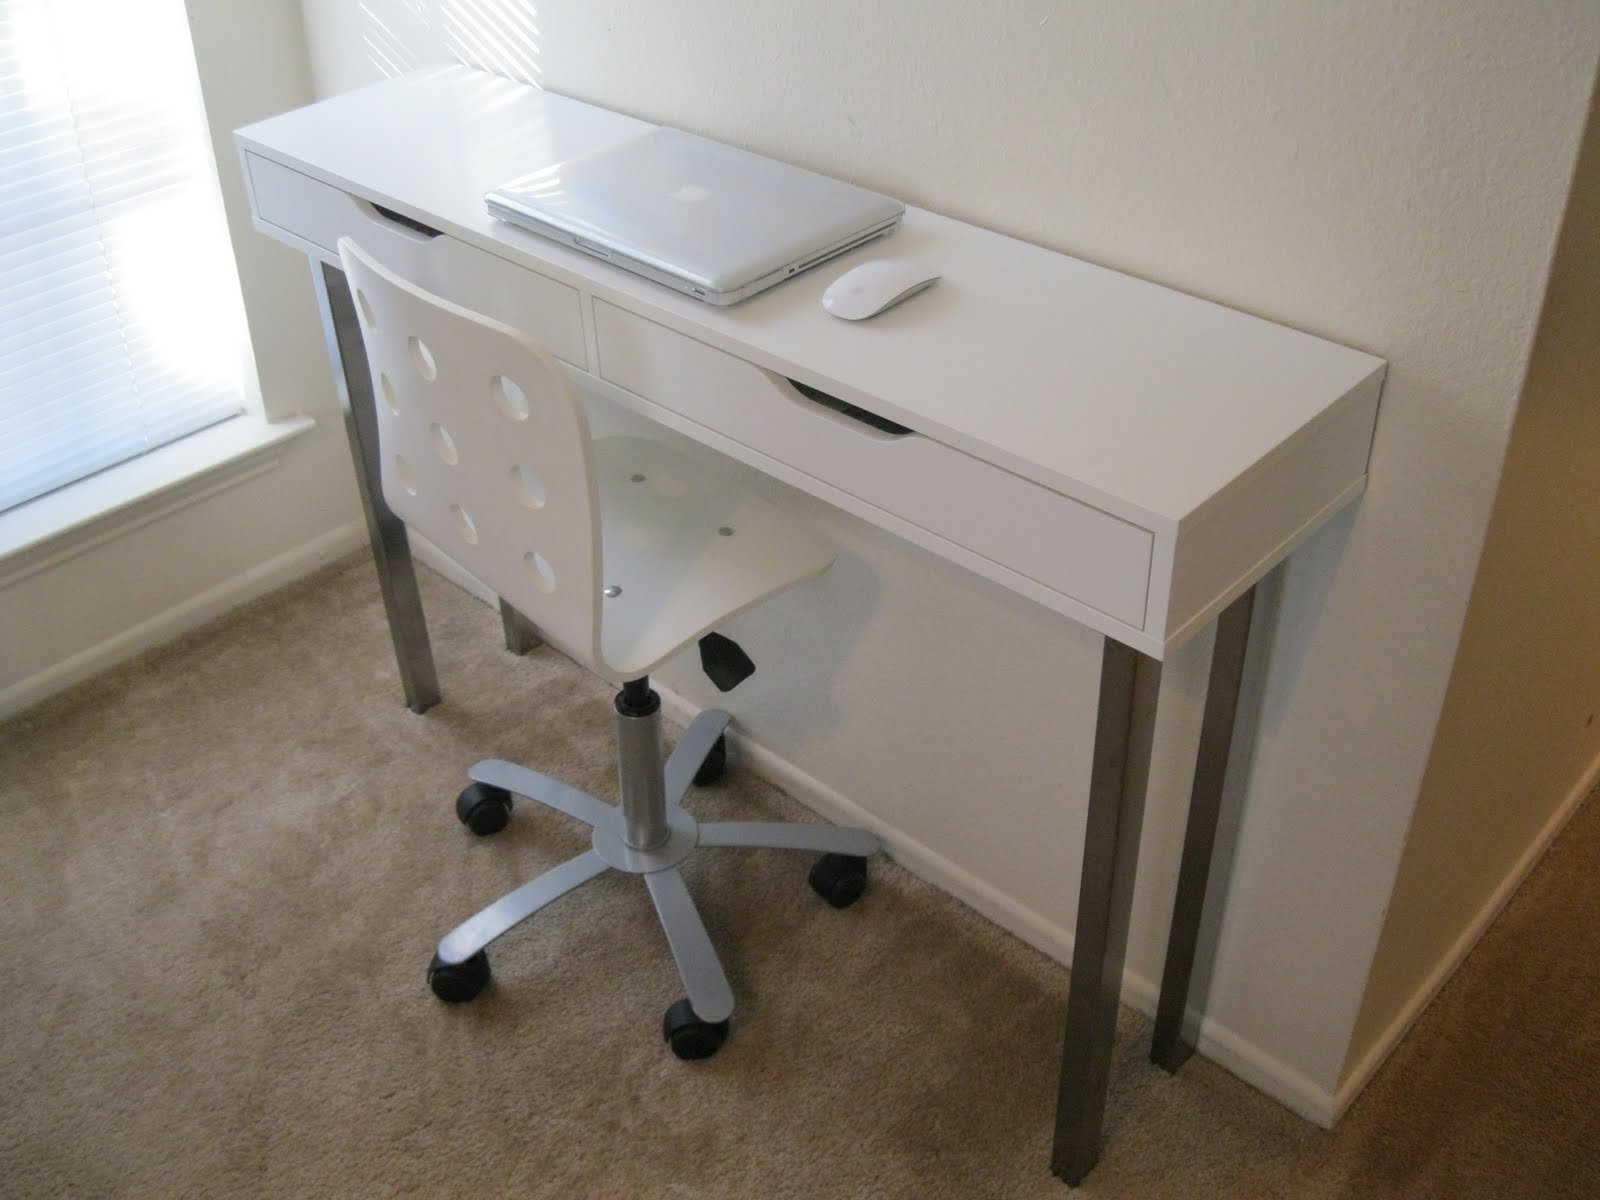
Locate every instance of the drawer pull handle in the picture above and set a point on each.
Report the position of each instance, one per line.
(845, 409)
(405, 222)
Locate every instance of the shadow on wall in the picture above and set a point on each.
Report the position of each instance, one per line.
(496, 35)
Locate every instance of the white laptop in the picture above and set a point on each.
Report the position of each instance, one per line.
(703, 217)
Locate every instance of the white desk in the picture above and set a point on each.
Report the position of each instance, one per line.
(1128, 456)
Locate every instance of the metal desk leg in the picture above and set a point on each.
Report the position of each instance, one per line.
(1129, 682)
(391, 550)
(1172, 1045)
(522, 635)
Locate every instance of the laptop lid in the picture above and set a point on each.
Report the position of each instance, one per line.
(704, 217)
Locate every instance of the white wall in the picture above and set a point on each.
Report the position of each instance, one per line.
(1519, 740)
(1388, 176)
(149, 583)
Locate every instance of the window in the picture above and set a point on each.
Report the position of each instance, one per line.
(120, 319)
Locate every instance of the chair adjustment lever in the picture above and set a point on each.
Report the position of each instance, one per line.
(724, 663)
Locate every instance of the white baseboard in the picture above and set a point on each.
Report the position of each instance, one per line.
(182, 617)
(1361, 1072)
(1043, 935)
(1235, 1054)
(1268, 1074)
(427, 553)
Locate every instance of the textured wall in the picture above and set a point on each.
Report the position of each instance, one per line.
(1388, 176)
(1521, 723)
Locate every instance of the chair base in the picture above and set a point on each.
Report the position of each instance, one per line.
(649, 834)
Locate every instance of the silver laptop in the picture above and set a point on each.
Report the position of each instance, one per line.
(703, 217)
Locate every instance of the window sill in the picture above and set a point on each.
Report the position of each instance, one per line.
(76, 518)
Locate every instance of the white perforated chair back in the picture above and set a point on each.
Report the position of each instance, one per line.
(485, 450)
(621, 550)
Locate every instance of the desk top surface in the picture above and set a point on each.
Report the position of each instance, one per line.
(1126, 394)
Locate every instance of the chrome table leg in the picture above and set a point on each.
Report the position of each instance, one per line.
(521, 634)
(1129, 682)
(391, 549)
(1172, 1043)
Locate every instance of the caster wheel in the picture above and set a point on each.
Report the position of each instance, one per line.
(839, 878)
(689, 1036)
(459, 982)
(484, 808)
(715, 765)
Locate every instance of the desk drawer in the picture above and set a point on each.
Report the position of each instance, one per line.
(1072, 548)
(320, 214)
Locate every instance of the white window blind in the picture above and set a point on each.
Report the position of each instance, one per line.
(120, 319)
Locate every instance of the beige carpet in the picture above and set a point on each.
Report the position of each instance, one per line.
(225, 866)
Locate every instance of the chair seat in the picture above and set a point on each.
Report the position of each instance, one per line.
(685, 547)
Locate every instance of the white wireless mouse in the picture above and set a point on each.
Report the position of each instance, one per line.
(867, 290)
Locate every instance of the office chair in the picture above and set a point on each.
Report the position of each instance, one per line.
(621, 552)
